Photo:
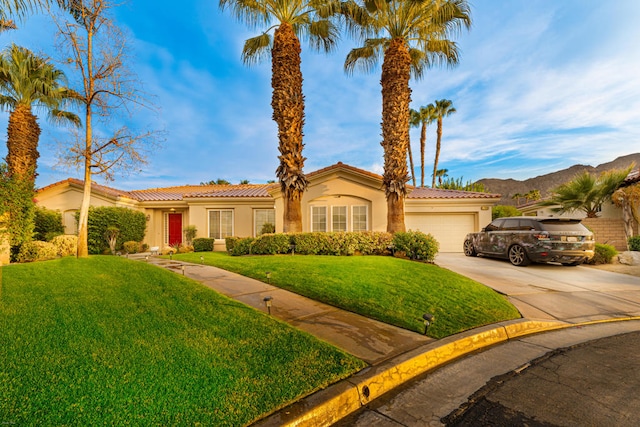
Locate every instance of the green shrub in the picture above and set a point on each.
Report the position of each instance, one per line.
(634, 243)
(190, 232)
(242, 247)
(229, 243)
(130, 223)
(203, 244)
(416, 245)
(66, 244)
(271, 244)
(604, 254)
(131, 247)
(48, 224)
(501, 211)
(268, 228)
(37, 251)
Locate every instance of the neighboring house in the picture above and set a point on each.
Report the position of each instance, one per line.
(608, 227)
(338, 198)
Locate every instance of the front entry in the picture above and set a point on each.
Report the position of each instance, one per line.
(175, 228)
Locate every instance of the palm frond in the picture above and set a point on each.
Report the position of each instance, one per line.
(365, 58)
(324, 35)
(257, 49)
(60, 117)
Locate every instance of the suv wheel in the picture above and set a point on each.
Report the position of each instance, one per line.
(469, 250)
(518, 256)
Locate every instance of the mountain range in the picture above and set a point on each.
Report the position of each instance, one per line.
(545, 183)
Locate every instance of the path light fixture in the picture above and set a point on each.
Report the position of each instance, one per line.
(267, 303)
(170, 256)
(428, 319)
(183, 269)
(146, 258)
(201, 259)
(293, 249)
(268, 273)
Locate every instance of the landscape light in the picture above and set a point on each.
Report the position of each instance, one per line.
(267, 303)
(201, 259)
(146, 258)
(428, 318)
(183, 269)
(170, 256)
(268, 273)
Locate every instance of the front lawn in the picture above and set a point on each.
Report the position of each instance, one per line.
(110, 341)
(389, 289)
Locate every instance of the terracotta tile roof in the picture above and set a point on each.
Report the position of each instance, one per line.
(102, 189)
(341, 165)
(436, 193)
(632, 178)
(242, 190)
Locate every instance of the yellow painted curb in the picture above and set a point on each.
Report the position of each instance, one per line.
(329, 407)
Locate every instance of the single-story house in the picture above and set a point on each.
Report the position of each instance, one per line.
(339, 198)
(608, 227)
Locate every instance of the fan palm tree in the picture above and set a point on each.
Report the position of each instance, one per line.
(290, 20)
(443, 108)
(26, 82)
(410, 36)
(442, 173)
(586, 192)
(423, 117)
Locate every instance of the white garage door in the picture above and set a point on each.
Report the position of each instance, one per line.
(448, 229)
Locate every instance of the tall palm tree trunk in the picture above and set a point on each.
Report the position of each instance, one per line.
(435, 161)
(396, 97)
(23, 134)
(288, 113)
(423, 143)
(413, 170)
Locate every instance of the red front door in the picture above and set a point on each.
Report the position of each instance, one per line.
(175, 228)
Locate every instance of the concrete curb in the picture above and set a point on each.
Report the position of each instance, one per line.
(347, 396)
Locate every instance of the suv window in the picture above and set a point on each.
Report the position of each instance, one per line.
(511, 224)
(564, 226)
(495, 225)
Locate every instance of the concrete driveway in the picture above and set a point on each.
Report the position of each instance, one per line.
(553, 292)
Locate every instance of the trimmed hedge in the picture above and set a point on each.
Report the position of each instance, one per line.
(337, 243)
(37, 251)
(604, 254)
(203, 244)
(416, 245)
(66, 244)
(634, 243)
(131, 247)
(131, 224)
(48, 224)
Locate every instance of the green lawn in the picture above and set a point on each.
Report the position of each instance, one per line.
(389, 289)
(110, 341)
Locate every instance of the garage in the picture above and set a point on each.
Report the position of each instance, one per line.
(449, 229)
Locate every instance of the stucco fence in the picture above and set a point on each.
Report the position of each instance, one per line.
(609, 231)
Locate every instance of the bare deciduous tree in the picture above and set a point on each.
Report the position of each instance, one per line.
(106, 88)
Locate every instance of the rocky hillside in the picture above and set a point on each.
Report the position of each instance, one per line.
(545, 183)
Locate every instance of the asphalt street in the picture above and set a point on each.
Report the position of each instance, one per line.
(582, 376)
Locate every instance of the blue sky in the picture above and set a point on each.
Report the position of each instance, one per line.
(541, 85)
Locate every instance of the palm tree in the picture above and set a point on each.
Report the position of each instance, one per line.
(442, 173)
(586, 192)
(291, 20)
(410, 36)
(423, 117)
(443, 108)
(28, 81)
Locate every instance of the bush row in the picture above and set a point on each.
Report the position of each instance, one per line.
(63, 245)
(413, 244)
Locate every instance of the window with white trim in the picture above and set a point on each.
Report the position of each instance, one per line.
(318, 218)
(220, 223)
(262, 217)
(338, 218)
(359, 220)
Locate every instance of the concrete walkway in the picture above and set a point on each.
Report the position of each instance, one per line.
(547, 299)
(370, 340)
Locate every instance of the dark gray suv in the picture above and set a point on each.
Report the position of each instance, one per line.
(523, 240)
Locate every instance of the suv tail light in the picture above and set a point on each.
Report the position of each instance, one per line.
(542, 236)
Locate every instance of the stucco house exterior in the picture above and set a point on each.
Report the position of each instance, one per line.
(608, 227)
(339, 198)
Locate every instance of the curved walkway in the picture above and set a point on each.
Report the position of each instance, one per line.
(398, 355)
